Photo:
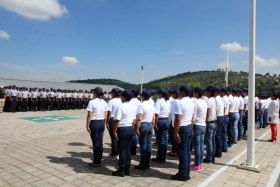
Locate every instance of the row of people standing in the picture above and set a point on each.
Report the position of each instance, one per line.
(33, 99)
(212, 114)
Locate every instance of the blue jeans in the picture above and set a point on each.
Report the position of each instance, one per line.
(184, 152)
(114, 151)
(125, 136)
(162, 140)
(265, 117)
(198, 143)
(146, 133)
(218, 136)
(224, 134)
(236, 125)
(211, 129)
(173, 141)
(135, 140)
(97, 128)
(240, 124)
(256, 114)
(261, 113)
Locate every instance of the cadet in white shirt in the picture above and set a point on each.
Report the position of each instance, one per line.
(232, 118)
(162, 110)
(245, 116)
(18, 108)
(135, 101)
(124, 131)
(226, 119)
(43, 98)
(86, 99)
(236, 113)
(3, 97)
(74, 99)
(183, 131)
(257, 102)
(34, 97)
(273, 116)
(51, 99)
(24, 98)
(220, 122)
(173, 103)
(80, 97)
(241, 114)
(96, 118)
(199, 128)
(112, 106)
(266, 104)
(13, 98)
(261, 110)
(144, 129)
(59, 97)
(211, 126)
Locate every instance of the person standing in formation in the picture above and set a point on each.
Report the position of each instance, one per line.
(241, 114)
(3, 96)
(236, 114)
(51, 99)
(273, 116)
(59, 97)
(220, 122)
(112, 106)
(184, 113)
(199, 128)
(144, 130)
(245, 116)
(124, 132)
(23, 99)
(95, 125)
(14, 98)
(162, 110)
(226, 120)
(261, 111)
(230, 127)
(43, 98)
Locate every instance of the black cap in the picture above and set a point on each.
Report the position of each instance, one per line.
(126, 94)
(217, 89)
(98, 91)
(146, 94)
(186, 89)
(198, 89)
(135, 92)
(229, 89)
(224, 90)
(115, 91)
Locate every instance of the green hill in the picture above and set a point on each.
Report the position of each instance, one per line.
(202, 78)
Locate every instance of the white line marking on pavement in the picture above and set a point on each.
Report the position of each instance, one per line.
(222, 169)
(274, 176)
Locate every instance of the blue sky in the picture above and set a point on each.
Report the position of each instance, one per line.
(60, 40)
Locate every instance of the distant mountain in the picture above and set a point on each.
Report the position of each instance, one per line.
(193, 79)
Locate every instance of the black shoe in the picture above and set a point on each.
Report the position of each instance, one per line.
(148, 166)
(218, 156)
(225, 151)
(140, 167)
(207, 161)
(156, 160)
(180, 178)
(126, 172)
(119, 172)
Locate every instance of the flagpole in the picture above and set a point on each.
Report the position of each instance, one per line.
(142, 67)
(250, 163)
(227, 71)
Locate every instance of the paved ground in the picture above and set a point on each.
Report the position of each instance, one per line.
(57, 154)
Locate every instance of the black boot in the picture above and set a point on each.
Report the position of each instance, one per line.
(140, 167)
(133, 150)
(127, 169)
(119, 172)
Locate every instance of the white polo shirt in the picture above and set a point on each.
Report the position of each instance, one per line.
(267, 102)
(232, 104)
(220, 106)
(112, 105)
(86, 95)
(226, 104)
(237, 104)
(91, 96)
(147, 109)
(80, 95)
(43, 95)
(125, 113)
(262, 102)
(185, 108)
(97, 107)
(34, 95)
(152, 101)
(13, 93)
(135, 102)
(59, 95)
(246, 102)
(24, 94)
(200, 112)
(211, 103)
(172, 110)
(74, 95)
(242, 102)
(51, 94)
(162, 108)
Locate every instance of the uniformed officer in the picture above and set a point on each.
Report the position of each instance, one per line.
(18, 108)
(3, 96)
(43, 97)
(74, 99)
(51, 99)
(124, 131)
(80, 97)
(39, 99)
(23, 99)
(85, 103)
(34, 100)
(58, 98)
(29, 100)
(13, 98)
(66, 99)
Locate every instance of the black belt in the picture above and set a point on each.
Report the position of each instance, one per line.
(211, 121)
(162, 118)
(147, 122)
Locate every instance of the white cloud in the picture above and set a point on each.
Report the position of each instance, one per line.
(4, 35)
(41, 10)
(122, 74)
(234, 47)
(222, 65)
(261, 62)
(70, 60)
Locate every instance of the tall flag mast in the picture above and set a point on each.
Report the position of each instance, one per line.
(226, 77)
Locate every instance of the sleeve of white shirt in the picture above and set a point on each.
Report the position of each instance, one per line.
(195, 109)
(118, 113)
(109, 106)
(178, 108)
(209, 104)
(157, 107)
(140, 110)
(89, 107)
